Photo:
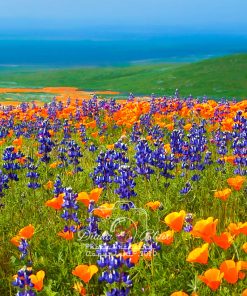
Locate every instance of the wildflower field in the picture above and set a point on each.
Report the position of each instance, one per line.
(128, 197)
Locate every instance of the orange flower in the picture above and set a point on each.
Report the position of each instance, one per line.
(54, 164)
(136, 251)
(27, 232)
(85, 272)
(205, 229)
(49, 185)
(231, 270)
(224, 194)
(153, 205)
(244, 293)
(16, 240)
(84, 198)
(236, 229)
(68, 235)
(95, 134)
(79, 288)
(166, 237)
(236, 182)
(224, 240)
(179, 293)
(18, 142)
(167, 148)
(148, 256)
(37, 280)
(199, 255)
(175, 220)
(104, 211)
(110, 146)
(212, 278)
(244, 247)
(56, 202)
(94, 195)
(188, 126)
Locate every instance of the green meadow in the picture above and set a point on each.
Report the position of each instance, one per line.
(215, 78)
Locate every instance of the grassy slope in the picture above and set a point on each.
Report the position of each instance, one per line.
(217, 77)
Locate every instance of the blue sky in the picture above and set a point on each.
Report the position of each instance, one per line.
(125, 15)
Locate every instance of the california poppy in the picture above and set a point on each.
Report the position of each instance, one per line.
(104, 211)
(205, 229)
(179, 293)
(224, 240)
(236, 182)
(244, 247)
(153, 205)
(175, 220)
(136, 252)
(85, 272)
(68, 235)
(37, 280)
(236, 229)
(56, 202)
(94, 195)
(231, 271)
(223, 194)
(212, 278)
(16, 240)
(49, 185)
(199, 255)
(27, 232)
(166, 237)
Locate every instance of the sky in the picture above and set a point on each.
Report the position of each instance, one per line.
(143, 16)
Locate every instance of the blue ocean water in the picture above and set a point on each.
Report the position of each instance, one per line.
(74, 53)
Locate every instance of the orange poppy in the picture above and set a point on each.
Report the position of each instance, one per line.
(199, 255)
(236, 182)
(54, 164)
(94, 195)
(56, 202)
(188, 126)
(244, 293)
(212, 278)
(95, 134)
(231, 270)
(236, 229)
(68, 235)
(175, 220)
(205, 229)
(110, 146)
(104, 211)
(148, 256)
(224, 240)
(79, 288)
(85, 272)
(166, 237)
(49, 185)
(167, 148)
(136, 252)
(244, 247)
(16, 240)
(18, 142)
(37, 280)
(153, 205)
(223, 194)
(27, 232)
(179, 293)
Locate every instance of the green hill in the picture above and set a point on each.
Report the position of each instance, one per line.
(216, 77)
